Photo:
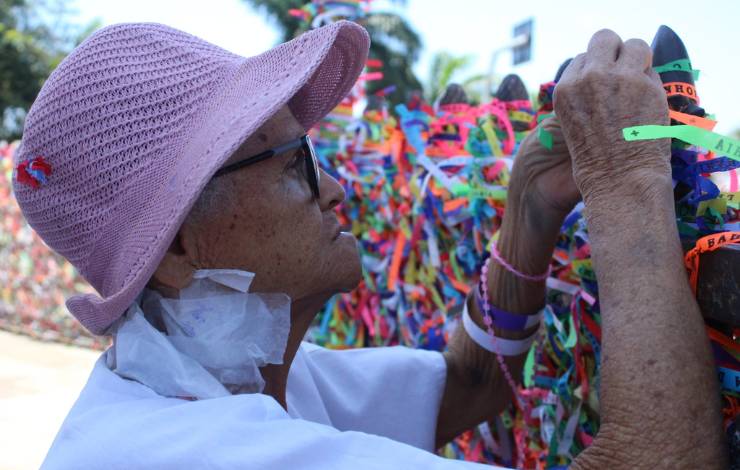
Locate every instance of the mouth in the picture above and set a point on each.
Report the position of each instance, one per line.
(340, 230)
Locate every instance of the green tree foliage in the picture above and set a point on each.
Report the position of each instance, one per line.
(35, 35)
(394, 42)
(447, 68)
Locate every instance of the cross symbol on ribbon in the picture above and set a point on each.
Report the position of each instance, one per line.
(634, 133)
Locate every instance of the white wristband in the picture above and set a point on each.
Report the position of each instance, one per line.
(503, 346)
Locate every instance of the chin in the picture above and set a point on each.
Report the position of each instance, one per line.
(353, 280)
(349, 269)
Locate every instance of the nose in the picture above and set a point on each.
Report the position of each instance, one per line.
(332, 193)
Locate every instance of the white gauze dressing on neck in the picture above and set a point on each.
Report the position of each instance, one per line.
(215, 337)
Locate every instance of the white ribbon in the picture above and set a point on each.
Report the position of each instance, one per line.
(503, 346)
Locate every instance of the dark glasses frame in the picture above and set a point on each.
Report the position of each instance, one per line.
(303, 142)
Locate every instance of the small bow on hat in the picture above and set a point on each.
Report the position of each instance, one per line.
(33, 172)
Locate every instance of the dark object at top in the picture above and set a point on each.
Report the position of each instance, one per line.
(454, 94)
(719, 274)
(561, 69)
(512, 88)
(668, 47)
(717, 290)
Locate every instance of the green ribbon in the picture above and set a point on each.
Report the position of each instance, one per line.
(528, 375)
(542, 117)
(472, 192)
(571, 340)
(680, 65)
(709, 140)
(545, 138)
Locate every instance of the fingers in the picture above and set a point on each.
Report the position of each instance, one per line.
(575, 66)
(603, 49)
(636, 54)
(662, 109)
(637, 57)
(654, 77)
(569, 77)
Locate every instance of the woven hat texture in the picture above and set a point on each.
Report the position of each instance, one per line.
(134, 123)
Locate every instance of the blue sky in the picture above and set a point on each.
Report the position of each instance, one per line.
(476, 27)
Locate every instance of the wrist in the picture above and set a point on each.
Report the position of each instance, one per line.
(477, 316)
(528, 232)
(528, 210)
(640, 176)
(642, 198)
(526, 241)
(631, 235)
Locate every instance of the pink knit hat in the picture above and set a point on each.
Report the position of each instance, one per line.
(130, 127)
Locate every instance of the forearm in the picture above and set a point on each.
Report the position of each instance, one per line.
(541, 193)
(659, 394)
(526, 240)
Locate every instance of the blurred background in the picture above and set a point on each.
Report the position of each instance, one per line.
(424, 45)
(426, 42)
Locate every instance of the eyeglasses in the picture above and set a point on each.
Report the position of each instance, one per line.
(303, 144)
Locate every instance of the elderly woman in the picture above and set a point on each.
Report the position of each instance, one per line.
(178, 179)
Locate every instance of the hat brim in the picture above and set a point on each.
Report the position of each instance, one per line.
(311, 74)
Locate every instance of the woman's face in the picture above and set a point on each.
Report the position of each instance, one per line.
(269, 223)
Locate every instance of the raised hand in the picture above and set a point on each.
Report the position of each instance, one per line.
(544, 177)
(609, 87)
(650, 320)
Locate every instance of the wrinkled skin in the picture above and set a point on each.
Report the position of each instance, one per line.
(268, 222)
(543, 178)
(651, 416)
(274, 228)
(541, 194)
(608, 88)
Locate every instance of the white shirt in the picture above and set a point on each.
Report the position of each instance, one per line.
(358, 409)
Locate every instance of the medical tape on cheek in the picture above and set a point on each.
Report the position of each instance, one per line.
(681, 89)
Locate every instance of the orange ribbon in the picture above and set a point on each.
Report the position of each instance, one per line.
(691, 120)
(396, 261)
(682, 89)
(704, 245)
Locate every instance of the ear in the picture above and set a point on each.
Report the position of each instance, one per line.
(175, 271)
